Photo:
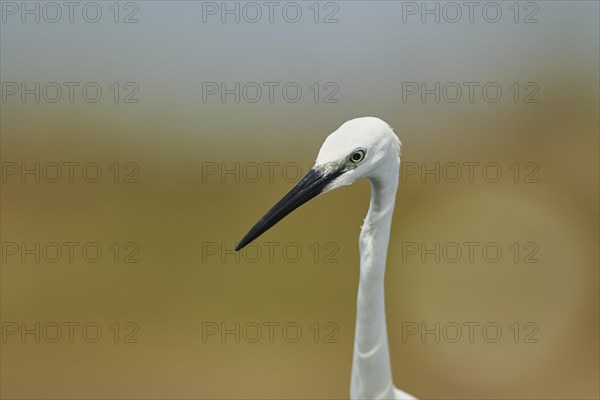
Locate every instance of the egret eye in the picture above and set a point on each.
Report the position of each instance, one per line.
(358, 156)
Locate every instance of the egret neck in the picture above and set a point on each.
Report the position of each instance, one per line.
(371, 369)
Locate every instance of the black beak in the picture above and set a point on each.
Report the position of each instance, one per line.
(309, 187)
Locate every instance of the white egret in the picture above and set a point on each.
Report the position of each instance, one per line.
(360, 148)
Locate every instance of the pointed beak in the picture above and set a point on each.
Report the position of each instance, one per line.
(308, 188)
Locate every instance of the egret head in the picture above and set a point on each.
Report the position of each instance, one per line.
(361, 148)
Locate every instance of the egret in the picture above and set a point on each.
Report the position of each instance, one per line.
(361, 148)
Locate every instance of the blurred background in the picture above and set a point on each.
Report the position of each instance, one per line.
(125, 190)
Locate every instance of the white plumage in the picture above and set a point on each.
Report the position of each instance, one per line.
(360, 148)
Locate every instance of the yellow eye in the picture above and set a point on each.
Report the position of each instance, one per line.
(358, 156)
